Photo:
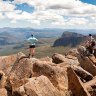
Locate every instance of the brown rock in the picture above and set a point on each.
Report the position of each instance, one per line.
(72, 52)
(81, 50)
(2, 79)
(6, 62)
(91, 86)
(82, 73)
(87, 65)
(93, 59)
(75, 84)
(3, 92)
(39, 86)
(56, 74)
(20, 70)
(58, 58)
(46, 59)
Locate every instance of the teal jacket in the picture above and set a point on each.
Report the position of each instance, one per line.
(32, 40)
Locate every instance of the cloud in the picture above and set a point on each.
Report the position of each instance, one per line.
(51, 12)
(6, 6)
(1, 16)
(78, 21)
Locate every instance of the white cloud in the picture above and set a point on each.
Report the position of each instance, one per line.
(51, 12)
(70, 6)
(15, 16)
(1, 16)
(6, 6)
(35, 22)
(77, 21)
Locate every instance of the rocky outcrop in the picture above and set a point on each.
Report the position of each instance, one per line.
(2, 79)
(69, 39)
(3, 92)
(82, 73)
(7, 62)
(83, 76)
(56, 74)
(39, 86)
(61, 75)
(20, 70)
(75, 85)
(46, 59)
(87, 64)
(58, 58)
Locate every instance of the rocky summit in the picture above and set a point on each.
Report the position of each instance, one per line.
(62, 75)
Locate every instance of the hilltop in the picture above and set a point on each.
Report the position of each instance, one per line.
(55, 76)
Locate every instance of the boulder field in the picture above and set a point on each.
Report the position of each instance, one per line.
(61, 75)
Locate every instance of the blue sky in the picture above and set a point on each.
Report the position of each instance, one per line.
(89, 1)
(24, 7)
(48, 13)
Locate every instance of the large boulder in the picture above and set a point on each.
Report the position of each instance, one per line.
(93, 59)
(82, 50)
(3, 92)
(57, 75)
(91, 86)
(87, 64)
(20, 70)
(37, 86)
(2, 80)
(75, 85)
(72, 52)
(68, 59)
(82, 73)
(6, 62)
(46, 59)
(58, 58)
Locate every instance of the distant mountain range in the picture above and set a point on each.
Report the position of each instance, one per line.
(17, 35)
(71, 39)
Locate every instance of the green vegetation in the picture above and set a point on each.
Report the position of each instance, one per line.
(41, 51)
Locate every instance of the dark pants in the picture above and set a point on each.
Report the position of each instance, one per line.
(90, 49)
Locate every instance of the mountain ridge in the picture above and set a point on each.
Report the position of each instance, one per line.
(71, 39)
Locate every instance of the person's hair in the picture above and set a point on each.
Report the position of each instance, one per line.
(90, 35)
(31, 35)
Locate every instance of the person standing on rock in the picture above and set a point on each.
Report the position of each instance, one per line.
(90, 44)
(32, 40)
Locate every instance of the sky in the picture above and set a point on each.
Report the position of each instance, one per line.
(66, 14)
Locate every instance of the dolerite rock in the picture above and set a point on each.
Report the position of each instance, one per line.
(72, 52)
(91, 86)
(58, 58)
(3, 92)
(82, 50)
(46, 59)
(20, 70)
(57, 75)
(82, 73)
(75, 85)
(93, 59)
(39, 86)
(87, 65)
(2, 80)
(6, 62)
